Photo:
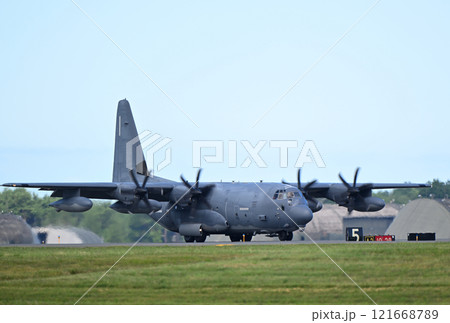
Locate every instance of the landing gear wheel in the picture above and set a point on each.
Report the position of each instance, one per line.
(235, 237)
(282, 235)
(289, 236)
(248, 237)
(201, 239)
(189, 239)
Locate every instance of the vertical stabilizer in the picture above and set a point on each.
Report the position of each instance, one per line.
(128, 152)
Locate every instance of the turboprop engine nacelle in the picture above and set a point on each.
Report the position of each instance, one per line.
(179, 194)
(206, 221)
(369, 204)
(140, 207)
(315, 206)
(72, 204)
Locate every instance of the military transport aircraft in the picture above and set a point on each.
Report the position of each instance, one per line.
(197, 210)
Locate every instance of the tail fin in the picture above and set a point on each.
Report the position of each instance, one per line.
(128, 152)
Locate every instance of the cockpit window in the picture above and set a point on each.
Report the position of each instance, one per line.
(279, 195)
(284, 194)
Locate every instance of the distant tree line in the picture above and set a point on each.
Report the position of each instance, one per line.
(105, 222)
(439, 190)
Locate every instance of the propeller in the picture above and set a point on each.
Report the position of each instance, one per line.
(304, 190)
(353, 191)
(140, 191)
(197, 194)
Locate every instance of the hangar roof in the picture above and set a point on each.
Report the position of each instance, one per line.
(422, 215)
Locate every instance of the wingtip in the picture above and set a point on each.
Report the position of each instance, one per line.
(13, 185)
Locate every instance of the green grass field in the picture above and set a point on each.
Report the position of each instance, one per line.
(391, 273)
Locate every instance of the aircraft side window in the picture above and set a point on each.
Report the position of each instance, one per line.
(290, 195)
(275, 196)
(282, 195)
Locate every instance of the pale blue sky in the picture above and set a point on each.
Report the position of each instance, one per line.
(379, 99)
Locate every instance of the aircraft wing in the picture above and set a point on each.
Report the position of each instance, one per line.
(321, 187)
(156, 190)
(374, 186)
(91, 190)
(380, 186)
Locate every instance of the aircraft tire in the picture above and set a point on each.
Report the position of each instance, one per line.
(189, 239)
(248, 237)
(289, 236)
(282, 235)
(201, 239)
(235, 237)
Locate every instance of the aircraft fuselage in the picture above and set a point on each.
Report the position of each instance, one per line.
(241, 208)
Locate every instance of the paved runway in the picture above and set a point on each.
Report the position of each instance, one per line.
(213, 243)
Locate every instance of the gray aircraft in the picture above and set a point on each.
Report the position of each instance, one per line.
(197, 210)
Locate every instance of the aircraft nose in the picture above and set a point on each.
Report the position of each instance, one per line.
(301, 214)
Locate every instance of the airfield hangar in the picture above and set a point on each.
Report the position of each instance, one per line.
(14, 230)
(422, 216)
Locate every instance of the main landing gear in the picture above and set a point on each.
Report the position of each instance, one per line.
(190, 239)
(285, 236)
(241, 237)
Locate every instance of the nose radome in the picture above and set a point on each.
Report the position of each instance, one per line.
(301, 214)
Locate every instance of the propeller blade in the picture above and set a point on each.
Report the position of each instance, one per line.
(207, 203)
(364, 187)
(197, 193)
(354, 192)
(356, 177)
(140, 191)
(133, 177)
(351, 204)
(309, 185)
(147, 202)
(198, 177)
(350, 209)
(299, 183)
(207, 188)
(344, 181)
(185, 182)
(193, 206)
(146, 179)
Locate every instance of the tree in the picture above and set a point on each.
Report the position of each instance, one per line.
(100, 219)
(437, 190)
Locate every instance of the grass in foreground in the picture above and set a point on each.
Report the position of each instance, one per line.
(396, 273)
